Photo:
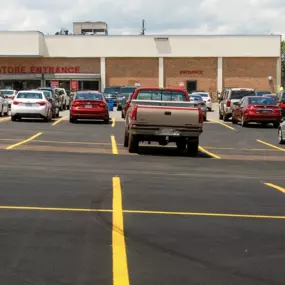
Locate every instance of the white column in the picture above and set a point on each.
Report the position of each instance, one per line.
(278, 75)
(103, 73)
(161, 72)
(220, 74)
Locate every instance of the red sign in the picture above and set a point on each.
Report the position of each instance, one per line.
(54, 83)
(191, 72)
(73, 85)
(39, 69)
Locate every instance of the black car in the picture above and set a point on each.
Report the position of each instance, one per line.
(125, 91)
(111, 93)
(48, 92)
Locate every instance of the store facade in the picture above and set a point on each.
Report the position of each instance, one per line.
(206, 63)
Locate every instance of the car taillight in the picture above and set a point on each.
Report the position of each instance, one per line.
(201, 117)
(228, 103)
(102, 105)
(134, 113)
(74, 103)
(16, 102)
(209, 100)
(41, 103)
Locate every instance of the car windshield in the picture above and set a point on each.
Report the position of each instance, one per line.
(203, 94)
(158, 95)
(262, 101)
(7, 92)
(112, 90)
(48, 94)
(127, 90)
(239, 94)
(24, 95)
(88, 96)
(196, 98)
(260, 93)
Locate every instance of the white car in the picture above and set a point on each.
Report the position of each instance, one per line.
(206, 98)
(9, 95)
(4, 106)
(31, 104)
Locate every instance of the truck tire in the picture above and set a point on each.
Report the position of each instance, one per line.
(181, 145)
(193, 148)
(133, 144)
(225, 117)
(220, 115)
(126, 138)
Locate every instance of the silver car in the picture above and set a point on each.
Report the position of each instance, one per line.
(197, 99)
(230, 97)
(281, 132)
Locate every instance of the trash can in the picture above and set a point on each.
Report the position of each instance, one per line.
(111, 105)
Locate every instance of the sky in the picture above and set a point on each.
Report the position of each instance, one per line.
(177, 17)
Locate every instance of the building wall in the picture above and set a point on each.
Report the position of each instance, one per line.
(250, 72)
(175, 69)
(128, 71)
(30, 64)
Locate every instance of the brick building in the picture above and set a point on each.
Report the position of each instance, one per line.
(30, 59)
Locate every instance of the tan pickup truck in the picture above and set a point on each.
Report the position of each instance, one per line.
(164, 116)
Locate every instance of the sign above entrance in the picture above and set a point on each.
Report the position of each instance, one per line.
(73, 85)
(39, 69)
(54, 83)
(191, 72)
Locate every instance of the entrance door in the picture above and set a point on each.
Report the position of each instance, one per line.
(191, 85)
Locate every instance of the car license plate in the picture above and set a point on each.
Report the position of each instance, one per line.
(28, 105)
(265, 111)
(88, 106)
(168, 132)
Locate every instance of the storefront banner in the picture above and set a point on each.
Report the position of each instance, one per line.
(74, 85)
(54, 83)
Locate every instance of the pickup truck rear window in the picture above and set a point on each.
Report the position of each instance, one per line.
(239, 94)
(158, 95)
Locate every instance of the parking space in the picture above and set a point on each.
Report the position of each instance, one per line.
(167, 218)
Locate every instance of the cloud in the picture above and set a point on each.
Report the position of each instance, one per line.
(162, 16)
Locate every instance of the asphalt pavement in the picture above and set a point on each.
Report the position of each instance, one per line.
(77, 208)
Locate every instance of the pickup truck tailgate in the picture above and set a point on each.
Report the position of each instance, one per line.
(174, 114)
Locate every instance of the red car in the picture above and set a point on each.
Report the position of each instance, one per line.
(89, 105)
(257, 109)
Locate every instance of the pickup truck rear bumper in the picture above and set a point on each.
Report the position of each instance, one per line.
(163, 132)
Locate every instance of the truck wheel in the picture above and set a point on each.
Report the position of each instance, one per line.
(193, 148)
(133, 144)
(181, 145)
(234, 120)
(225, 117)
(220, 115)
(126, 138)
(123, 116)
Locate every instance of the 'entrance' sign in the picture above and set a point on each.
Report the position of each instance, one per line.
(191, 72)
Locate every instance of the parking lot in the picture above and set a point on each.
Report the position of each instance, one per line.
(77, 208)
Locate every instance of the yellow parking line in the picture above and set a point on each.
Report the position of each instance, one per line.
(223, 124)
(142, 212)
(113, 122)
(204, 214)
(275, 187)
(232, 148)
(114, 145)
(120, 263)
(53, 209)
(209, 153)
(24, 141)
(67, 142)
(5, 119)
(59, 120)
(271, 145)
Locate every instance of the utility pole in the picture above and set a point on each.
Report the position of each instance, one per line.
(143, 27)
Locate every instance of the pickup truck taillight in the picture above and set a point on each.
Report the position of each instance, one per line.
(228, 103)
(201, 117)
(134, 113)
